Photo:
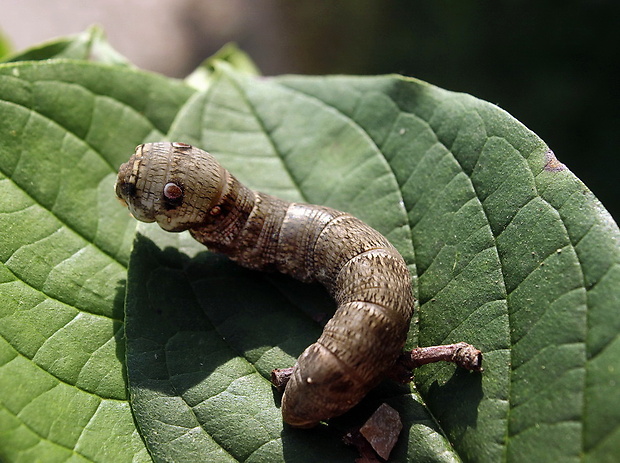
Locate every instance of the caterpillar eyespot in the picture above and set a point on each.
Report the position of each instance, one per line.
(172, 191)
(364, 273)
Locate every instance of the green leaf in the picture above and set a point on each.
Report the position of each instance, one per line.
(89, 45)
(5, 46)
(202, 77)
(508, 250)
(64, 250)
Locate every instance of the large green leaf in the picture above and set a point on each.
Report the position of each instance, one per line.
(64, 250)
(89, 45)
(509, 251)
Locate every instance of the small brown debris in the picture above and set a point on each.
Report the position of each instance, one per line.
(552, 163)
(382, 430)
(280, 377)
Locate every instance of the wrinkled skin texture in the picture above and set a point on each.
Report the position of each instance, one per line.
(183, 188)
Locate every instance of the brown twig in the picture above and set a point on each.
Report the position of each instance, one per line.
(462, 354)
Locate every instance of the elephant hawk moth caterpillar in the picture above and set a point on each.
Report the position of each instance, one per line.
(184, 188)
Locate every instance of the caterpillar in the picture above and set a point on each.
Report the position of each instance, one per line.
(184, 188)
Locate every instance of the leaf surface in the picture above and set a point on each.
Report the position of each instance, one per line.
(508, 251)
(64, 252)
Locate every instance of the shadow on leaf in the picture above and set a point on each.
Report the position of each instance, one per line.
(203, 335)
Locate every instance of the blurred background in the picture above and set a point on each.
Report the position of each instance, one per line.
(550, 64)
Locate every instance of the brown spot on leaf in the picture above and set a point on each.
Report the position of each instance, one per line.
(552, 164)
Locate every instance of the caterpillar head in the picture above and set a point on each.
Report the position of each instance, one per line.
(173, 184)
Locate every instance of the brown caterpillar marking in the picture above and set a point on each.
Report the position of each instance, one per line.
(184, 188)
